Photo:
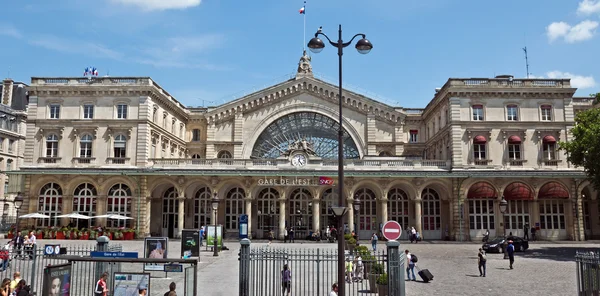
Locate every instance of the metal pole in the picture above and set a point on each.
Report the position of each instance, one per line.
(216, 251)
(341, 283)
(505, 241)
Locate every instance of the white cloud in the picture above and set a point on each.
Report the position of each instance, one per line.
(181, 52)
(150, 5)
(577, 81)
(75, 47)
(585, 30)
(587, 7)
(9, 30)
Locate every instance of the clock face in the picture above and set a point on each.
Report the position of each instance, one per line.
(299, 160)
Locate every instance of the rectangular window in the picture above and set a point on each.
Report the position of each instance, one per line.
(54, 111)
(9, 165)
(11, 144)
(514, 151)
(512, 113)
(414, 136)
(5, 189)
(88, 111)
(122, 111)
(479, 151)
(195, 135)
(1, 143)
(477, 112)
(546, 113)
(549, 151)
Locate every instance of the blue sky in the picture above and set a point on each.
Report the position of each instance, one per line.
(211, 51)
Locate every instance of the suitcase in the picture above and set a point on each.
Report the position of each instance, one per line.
(425, 275)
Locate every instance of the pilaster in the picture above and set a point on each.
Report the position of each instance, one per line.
(371, 134)
(210, 138)
(456, 134)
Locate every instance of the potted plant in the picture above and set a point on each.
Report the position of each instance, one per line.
(129, 234)
(84, 234)
(118, 235)
(61, 233)
(382, 285)
(40, 234)
(377, 269)
(351, 244)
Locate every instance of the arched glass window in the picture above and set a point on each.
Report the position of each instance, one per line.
(85, 146)
(52, 146)
(398, 206)
(234, 208)
(202, 207)
(84, 202)
(120, 146)
(224, 154)
(119, 203)
(50, 203)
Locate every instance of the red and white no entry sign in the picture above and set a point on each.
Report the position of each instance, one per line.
(391, 230)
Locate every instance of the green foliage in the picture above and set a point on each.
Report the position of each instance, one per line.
(351, 242)
(377, 268)
(382, 279)
(597, 96)
(347, 236)
(583, 149)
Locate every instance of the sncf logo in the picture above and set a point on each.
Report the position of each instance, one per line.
(325, 181)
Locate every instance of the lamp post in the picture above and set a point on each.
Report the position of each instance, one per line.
(356, 204)
(503, 206)
(215, 207)
(18, 203)
(363, 46)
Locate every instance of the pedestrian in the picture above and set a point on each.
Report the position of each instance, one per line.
(410, 266)
(486, 236)
(201, 234)
(22, 289)
(286, 280)
(5, 287)
(349, 269)
(15, 281)
(4, 258)
(526, 231)
(413, 234)
(510, 249)
(285, 235)
(327, 233)
(334, 290)
(101, 289)
(374, 241)
(358, 269)
(143, 291)
(172, 288)
(271, 235)
(481, 260)
(533, 230)
(291, 234)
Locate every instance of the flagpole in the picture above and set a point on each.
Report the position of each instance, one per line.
(304, 40)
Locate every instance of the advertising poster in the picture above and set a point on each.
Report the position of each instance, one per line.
(130, 284)
(190, 243)
(57, 280)
(156, 248)
(210, 236)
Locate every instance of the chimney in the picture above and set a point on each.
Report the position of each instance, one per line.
(7, 91)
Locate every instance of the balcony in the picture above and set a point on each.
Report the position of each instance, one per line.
(320, 164)
(482, 162)
(551, 162)
(117, 160)
(517, 162)
(84, 160)
(49, 160)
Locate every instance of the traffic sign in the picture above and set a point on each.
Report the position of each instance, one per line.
(52, 250)
(391, 230)
(100, 254)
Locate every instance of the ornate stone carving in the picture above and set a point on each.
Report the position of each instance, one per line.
(304, 66)
(300, 145)
(180, 180)
(349, 181)
(248, 182)
(214, 181)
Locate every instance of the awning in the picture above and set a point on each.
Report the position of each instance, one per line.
(514, 140)
(479, 140)
(549, 139)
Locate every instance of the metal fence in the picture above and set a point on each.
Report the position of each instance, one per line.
(30, 263)
(588, 273)
(313, 271)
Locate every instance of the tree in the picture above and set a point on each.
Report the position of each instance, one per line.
(583, 150)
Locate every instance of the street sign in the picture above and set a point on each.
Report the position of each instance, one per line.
(391, 230)
(52, 250)
(100, 254)
(173, 268)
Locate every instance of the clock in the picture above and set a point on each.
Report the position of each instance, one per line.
(299, 160)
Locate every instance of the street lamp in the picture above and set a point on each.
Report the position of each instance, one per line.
(215, 207)
(503, 206)
(356, 204)
(363, 46)
(18, 203)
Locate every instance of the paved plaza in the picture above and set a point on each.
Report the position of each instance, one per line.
(547, 266)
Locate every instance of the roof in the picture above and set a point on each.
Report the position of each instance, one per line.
(20, 97)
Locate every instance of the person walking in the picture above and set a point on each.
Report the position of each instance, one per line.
(15, 281)
(171, 291)
(413, 233)
(374, 241)
(285, 235)
(201, 234)
(101, 288)
(410, 266)
(510, 249)
(533, 230)
(526, 231)
(481, 260)
(291, 233)
(334, 290)
(286, 280)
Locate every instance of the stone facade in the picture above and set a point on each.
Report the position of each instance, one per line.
(125, 146)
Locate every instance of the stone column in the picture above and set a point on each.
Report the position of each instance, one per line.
(101, 209)
(180, 215)
(249, 213)
(67, 208)
(282, 212)
(350, 215)
(535, 215)
(316, 208)
(384, 211)
(418, 219)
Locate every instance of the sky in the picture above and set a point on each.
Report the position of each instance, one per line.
(207, 52)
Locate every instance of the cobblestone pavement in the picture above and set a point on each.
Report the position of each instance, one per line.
(547, 268)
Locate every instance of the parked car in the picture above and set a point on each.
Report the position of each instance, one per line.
(495, 245)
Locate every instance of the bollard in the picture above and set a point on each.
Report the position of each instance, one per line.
(102, 246)
(244, 267)
(396, 284)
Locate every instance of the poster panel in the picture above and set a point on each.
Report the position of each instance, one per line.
(156, 248)
(57, 280)
(189, 281)
(130, 283)
(210, 235)
(190, 243)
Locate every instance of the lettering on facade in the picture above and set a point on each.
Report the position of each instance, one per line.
(281, 181)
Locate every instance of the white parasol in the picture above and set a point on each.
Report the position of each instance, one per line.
(74, 215)
(35, 215)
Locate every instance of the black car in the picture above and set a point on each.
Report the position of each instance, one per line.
(495, 245)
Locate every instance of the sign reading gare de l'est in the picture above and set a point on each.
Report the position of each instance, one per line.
(283, 181)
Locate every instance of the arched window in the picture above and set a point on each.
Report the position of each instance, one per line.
(84, 202)
(52, 146)
(234, 207)
(155, 114)
(367, 216)
(120, 146)
(385, 154)
(196, 156)
(301, 211)
(514, 147)
(328, 199)
(398, 206)
(552, 198)
(119, 203)
(85, 146)
(50, 203)
(431, 210)
(224, 154)
(268, 211)
(173, 126)
(202, 207)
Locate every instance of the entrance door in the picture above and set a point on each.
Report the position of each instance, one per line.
(170, 213)
(516, 216)
(431, 215)
(367, 218)
(327, 201)
(481, 218)
(268, 212)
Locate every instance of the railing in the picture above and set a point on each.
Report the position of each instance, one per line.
(583, 101)
(503, 82)
(91, 80)
(588, 273)
(84, 160)
(197, 163)
(49, 159)
(517, 162)
(117, 160)
(551, 162)
(482, 161)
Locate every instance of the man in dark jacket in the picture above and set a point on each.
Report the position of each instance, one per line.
(510, 250)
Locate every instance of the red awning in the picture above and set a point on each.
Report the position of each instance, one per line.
(414, 131)
(514, 140)
(479, 140)
(549, 139)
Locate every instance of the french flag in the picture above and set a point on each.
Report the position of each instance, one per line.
(87, 71)
(303, 10)
(94, 72)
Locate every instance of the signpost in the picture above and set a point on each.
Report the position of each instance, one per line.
(391, 230)
(101, 254)
(51, 250)
(243, 226)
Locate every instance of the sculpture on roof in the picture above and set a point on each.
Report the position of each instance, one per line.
(304, 67)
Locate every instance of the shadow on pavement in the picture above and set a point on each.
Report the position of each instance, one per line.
(472, 275)
(563, 254)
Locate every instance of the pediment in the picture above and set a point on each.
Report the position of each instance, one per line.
(295, 86)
